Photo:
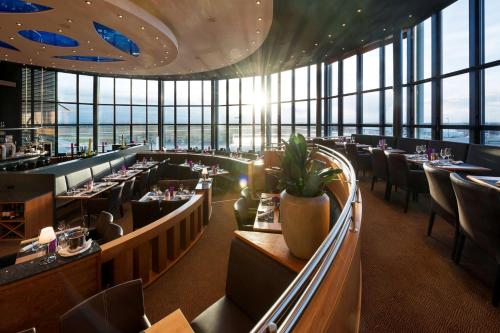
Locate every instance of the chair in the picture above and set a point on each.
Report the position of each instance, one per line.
(127, 193)
(358, 160)
(153, 177)
(244, 218)
(252, 201)
(380, 169)
(162, 170)
(412, 181)
(144, 213)
(443, 201)
(111, 204)
(105, 230)
(141, 184)
(168, 206)
(117, 309)
(478, 215)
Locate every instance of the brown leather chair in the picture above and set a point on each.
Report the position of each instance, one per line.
(153, 177)
(127, 193)
(250, 197)
(112, 203)
(380, 168)
(244, 218)
(250, 291)
(479, 217)
(412, 181)
(359, 160)
(144, 213)
(443, 201)
(105, 230)
(141, 184)
(117, 309)
(162, 170)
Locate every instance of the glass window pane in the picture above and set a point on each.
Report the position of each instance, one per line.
(153, 136)
(66, 136)
(122, 91)
(274, 114)
(371, 69)
(334, 106)
(312, 112)
(246, 114)
(404, 60)
(168, 137)
(207, 132)
(182, 92)
(222, 115)
(122, 134)
(86, 133)
(182, 115)
(195, 92)
(404, 115)
(222, 92)
(371, 107)
(207, 115)
(456, 99)
(152, 115)
(138, 114)
(491, 138)
(246, 138)
(168, 115)
(152, 92)
(370, 130)
(207, 92)
(86, 114)
(247, 89)
(455, 20)
(234, 114)
(492, 96)
(301, 112)
(389, 111)
(423, 55)
(105, 137)
(286, 113)
(105, 114)
(456, 135)
(286, 85)
(234, 137)
(66, 87)
(106, 90)
(286, 131)
(139, 92)
(348, 131)
(423, 104)
(301, 83)
(350, 109)
(195, 115)
(491, 30)
(274, 87)
(122, 114)
(234, 91)
(195, 137)
(312, 81)
(350, 70)
(388, 65)
(168, 93)
(139, 133)
(66, 113)
(221, 136)
(86, 89)
(423, 133)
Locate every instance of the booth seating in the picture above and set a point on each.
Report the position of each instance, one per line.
(100, 171)
(111, 203)
(189, 184)
(359, 160)
(254, 282)
(458, 150)
(409, 145)
(117, 164)
(143, 213)
(487, 156)
(78, 178)
(244, 216)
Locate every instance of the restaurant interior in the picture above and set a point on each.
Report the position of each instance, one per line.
(249, 166)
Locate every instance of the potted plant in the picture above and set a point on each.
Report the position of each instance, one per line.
(304, 207)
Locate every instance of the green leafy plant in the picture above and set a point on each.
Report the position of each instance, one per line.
(301, 175)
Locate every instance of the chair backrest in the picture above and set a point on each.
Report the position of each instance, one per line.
(458, 149)
(478, 213)
(113, 231)
(441, 191)
(115, 197)
(184, 172)
(142, 182)
(241, 213)
(153, 177)
(379, 164)
(162, 170)
(102, 222)
(169, 206)
(398, 170)
(249, 273)
(60, 185)
(486, 156)
(352, 153)
(144, 213)
(101, 170)
(130, 160)
(77, 178)
(117, 163)
(128, 190)
(117, 309)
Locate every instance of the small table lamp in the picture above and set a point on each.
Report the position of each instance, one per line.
(48, 236)
(204, 173)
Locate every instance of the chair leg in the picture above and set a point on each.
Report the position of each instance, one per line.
(496, 288)
(431, 223)
(374, 179)
(460, 247)
(388, 189)
(407, 201)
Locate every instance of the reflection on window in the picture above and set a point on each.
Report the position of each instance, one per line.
(423, 54)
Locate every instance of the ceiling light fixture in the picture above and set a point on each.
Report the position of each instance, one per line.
(343, 24)
(88, 2)
(384, 29)
(410, 16)
(60, 30)
(359, 10)
(74, 51)
(157, 37)
(259, 19)
(257, 32)
(11, 38)
(142, 27)
(330, 36)
(316, 44)
(120, 16)
(19, 24)
(69, 20)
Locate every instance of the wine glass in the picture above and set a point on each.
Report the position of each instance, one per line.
(442, 153)
(418, 149)
(181, 188)
(423, 149)
(447, 152)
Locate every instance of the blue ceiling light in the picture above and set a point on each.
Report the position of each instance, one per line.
(88, 58)
(21, 6)
(49, 38)
(7, 46)
(117, 39)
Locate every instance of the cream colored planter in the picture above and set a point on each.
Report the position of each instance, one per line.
(304, 223)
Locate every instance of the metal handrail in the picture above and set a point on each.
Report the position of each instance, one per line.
(289, 307)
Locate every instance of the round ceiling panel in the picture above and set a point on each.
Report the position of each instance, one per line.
(48, 38)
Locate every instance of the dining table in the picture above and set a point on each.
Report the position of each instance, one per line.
(144, 165)
(358, 145)
(487, 181)
(122, 175)
(387, 151)
(449, 165)
(85, 192)
(197, 167)
(267, 218)
(160, 196)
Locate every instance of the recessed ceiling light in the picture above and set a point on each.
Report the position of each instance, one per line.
(69, 20)
(91, 49)
(330, 36)
(259, 19)
(6, 55)
(43, 47)
(257, 32)
(142, 27)
(343, 24)
(121, 56)
(157, 37)
(60, 30)
(316, 44)
(88, 42)
(88, 2)
(384, 29)
(74, 51)
(362, 40)
(257, 2)
(120, 16)
(303, 51)
(19, 24)
(11, 38)
(359, 10)
(410, 16)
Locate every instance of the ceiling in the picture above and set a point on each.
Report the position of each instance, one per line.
(217, 38)
(174, 37)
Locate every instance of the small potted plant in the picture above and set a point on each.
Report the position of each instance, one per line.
(304, 207)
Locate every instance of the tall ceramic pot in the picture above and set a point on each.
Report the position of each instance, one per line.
(304, 222)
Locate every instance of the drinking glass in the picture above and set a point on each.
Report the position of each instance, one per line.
(442, 153)
(447, 152)
(418, 149)
(423, 148)
(181, 188)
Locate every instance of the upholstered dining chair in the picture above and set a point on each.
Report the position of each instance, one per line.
(162, 170)
(244, 218)
(127, 193)
(144, 213)
(411, 181)
(141, 184)
(443, 201)
(117, 309)
(112, 203)
(105, 230)
(359, 160)
(479, 218)
(380, 168)
(153, 177)
(252, 200)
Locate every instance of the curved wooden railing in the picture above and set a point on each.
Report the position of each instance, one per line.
(151, 250)
(326, 294)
